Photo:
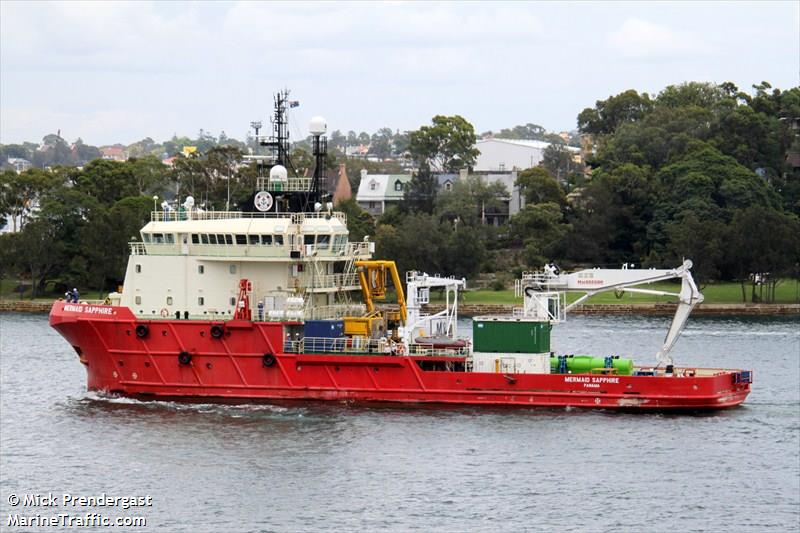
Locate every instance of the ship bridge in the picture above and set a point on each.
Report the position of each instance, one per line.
(190, 261)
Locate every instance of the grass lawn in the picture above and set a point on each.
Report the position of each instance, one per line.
(788, 291)
(8, 286)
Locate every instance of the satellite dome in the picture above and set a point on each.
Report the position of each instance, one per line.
(318, 126)
(278, 173)
(189, 202)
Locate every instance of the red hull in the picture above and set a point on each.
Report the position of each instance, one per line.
(232, 367)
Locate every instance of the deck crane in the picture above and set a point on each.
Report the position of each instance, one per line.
(544, 294)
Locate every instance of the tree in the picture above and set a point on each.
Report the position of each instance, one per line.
(560, 163)
(21, 193)
(381, 143)
(469, 200)
(359, 222)
(107, 181)
(763, 246)
(607, 115)
(420, 196)
(447, 145)
(83, 153)
(538, 186)
(541, 229)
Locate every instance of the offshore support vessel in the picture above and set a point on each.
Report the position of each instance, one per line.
(276, 303)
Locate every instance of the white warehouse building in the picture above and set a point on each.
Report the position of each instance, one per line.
(499, 155)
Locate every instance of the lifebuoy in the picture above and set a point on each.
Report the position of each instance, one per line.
(268, 360)
(217, 331)
(142, 331)
(164, 312)
(184, 358)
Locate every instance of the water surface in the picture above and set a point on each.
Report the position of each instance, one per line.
(341, 467)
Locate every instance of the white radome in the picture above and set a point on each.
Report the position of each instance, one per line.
(278, 173)
(318, 126)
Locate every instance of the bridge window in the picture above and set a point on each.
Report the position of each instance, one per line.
(253, 239)
(228, 239)
(195, 238)
(220, 238)
(308, 239)
(169, 238)
(323, 241)
(241, 239)
(266, 240)
(204, 238)
(146, 237)
(158, 238)
(278, 239)
(212, 239)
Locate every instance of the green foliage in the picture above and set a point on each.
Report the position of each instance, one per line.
(359, 222)
(469, 201)
(420, 196)
(609, 114)
(447, 145)
(540, 229)
(539, 186)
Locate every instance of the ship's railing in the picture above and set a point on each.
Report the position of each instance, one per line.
(297, 218)
(330, 281)
(356, 249)
(334, 312)
(292, 184)
(137, 248)
(365, 346)
(430, 350)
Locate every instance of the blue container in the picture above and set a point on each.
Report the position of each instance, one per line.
(329, 329)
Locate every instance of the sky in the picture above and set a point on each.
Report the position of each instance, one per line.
(119, 72)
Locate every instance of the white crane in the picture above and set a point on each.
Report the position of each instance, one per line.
(544, 293)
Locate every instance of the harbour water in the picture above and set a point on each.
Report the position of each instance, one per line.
(310, 467)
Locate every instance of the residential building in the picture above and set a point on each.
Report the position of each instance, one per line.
(377, 192)
(503, 155)
(511, 203)
(19, 164)
(114, 153)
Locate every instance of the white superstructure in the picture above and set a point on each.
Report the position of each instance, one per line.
(190, 262)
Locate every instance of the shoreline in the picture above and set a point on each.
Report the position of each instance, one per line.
(653, 309)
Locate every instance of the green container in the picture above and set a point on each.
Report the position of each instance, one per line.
(510, 335)
(584, 364)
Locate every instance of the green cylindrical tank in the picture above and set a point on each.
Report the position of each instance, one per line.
(584, 364)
